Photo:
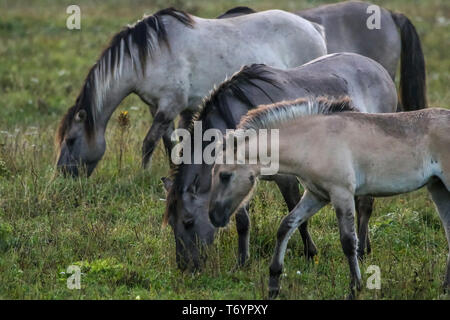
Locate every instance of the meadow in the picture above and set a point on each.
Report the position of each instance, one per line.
(110, 224)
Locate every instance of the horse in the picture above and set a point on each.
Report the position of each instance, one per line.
(188, 187)
(324, 143)
(345, 26)
(171, 60)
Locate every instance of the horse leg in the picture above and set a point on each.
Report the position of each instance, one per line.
(167, 135)
(441, 198)
(288, 186)
(306, 207)
(161, 123)
(243, 230)
(344, 204)
(185, 119)
(364, 208)
(167, 139)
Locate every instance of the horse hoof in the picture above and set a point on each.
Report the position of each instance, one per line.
(351, 296)
(310, 255)
(274, 286)
(359, 285)
(273, 293)
(310, 252)
(146, 163)
(361, 256)
(446, 288)
(240, 265)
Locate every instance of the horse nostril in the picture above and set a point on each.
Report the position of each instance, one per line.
(225, 176)
(213, 218)
(188, 222)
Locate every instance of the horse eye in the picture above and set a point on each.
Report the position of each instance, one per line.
(225, 176)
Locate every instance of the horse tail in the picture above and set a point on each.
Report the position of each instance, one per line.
(412, 66)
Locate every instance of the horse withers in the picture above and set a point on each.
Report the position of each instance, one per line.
(407, 151)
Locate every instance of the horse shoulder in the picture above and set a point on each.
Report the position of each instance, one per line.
(325, 153)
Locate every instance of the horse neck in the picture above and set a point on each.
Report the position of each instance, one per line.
(285, 143)
(112, 89)
(295, 145)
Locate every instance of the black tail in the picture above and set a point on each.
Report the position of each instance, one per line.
(412, 67)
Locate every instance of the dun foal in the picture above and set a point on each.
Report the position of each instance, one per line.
(408, 151)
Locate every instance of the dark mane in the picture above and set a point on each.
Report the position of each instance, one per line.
(84, 101)
(139, 35)
(236, 11)
(236, 87)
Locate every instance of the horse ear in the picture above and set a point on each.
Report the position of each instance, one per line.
(167, 182)
(80, 116)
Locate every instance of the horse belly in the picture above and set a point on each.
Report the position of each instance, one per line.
(391, 182)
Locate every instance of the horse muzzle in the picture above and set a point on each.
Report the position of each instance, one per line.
(75, 169)
(68, 170)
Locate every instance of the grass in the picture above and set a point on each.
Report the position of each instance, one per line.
(110, 224)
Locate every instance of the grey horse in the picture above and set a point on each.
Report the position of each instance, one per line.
(171, 60)
(365, 81)
(346, 30)
(326, 148)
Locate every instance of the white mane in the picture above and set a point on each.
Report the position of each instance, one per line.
(273, 116)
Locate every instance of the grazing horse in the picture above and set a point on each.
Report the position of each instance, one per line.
(346, 30)
(171, 60)
(329, 154)
(366, 82)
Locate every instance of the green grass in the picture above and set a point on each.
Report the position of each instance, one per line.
(110, 224)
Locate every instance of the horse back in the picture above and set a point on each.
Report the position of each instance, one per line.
(347, 31)
(392, 153)
(274, 37)
(214, 49)
(364, 80)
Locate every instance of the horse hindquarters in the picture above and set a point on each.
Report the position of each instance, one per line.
(441, 198)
